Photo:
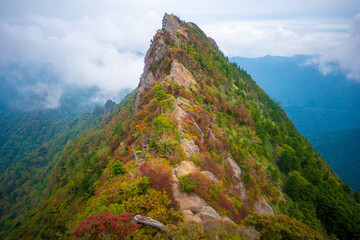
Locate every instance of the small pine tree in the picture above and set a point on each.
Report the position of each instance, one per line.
(117, 169)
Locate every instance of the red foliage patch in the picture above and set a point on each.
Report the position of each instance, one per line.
(200, 145)
(225, 203)
(104, 225)
(243, 213)
(182, 93)
(169, 89)
(160, 178)
(114, 142)
(159, 175)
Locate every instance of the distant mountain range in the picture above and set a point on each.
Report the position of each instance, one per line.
(324, 108)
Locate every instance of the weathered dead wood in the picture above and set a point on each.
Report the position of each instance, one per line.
(149, 221)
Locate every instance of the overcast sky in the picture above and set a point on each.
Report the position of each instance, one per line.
(100, 43)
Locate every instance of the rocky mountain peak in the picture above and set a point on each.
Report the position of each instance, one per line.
(200, 148)
(109, 106)
(172, 24)
(173, 60)
(161, 61)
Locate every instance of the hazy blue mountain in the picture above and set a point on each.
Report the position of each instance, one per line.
(315, 102)
(8, 93)
(341, 151)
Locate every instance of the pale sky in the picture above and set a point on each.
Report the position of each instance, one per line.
(100, 43)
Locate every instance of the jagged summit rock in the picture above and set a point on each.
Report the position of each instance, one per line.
(109, 106)
(156, 53)
(171, 23)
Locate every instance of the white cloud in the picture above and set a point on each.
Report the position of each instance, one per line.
(349, 53)
(281, 38)
(332, 42)
(101, 52)
(346, 54)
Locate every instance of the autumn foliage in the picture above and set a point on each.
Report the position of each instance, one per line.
(158, 172)
(105, 226)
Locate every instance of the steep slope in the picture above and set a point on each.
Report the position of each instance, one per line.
(317, 103)
(201, 148)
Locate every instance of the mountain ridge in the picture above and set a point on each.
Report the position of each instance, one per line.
(197, 128)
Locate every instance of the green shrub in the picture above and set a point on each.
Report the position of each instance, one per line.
(288, 161)
(186, 184)
(281, 227)
(117, 169)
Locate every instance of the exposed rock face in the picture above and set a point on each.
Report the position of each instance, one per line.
(211, 176)
(185, 167)
(189, 147)
(109, 106)
(194, 208)
(242, 190)
(180, 75)
(171, 24)
(208, 212)
(211, 134)
(262, 206)
(234, 167)
(190, 217)
(155, 54)
(179, 113)
(158, 48)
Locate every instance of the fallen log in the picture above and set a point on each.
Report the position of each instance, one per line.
(149, 221)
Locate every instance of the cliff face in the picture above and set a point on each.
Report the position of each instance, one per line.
(156, 53)
(199, 147)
